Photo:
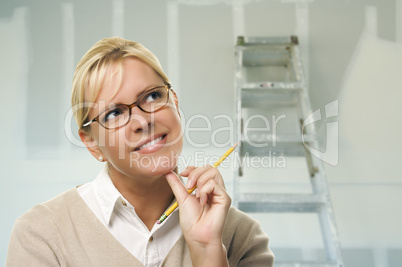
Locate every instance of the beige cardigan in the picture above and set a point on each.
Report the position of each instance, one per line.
(64, 232)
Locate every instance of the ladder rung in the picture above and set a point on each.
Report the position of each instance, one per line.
(278, 40)
(263, 99)
(307, 264)
(261, 138)
(291, 149)
(283, 203)
(272, 85)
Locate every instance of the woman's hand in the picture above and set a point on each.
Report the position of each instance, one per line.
(203, 215)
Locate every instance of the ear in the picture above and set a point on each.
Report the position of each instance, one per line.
(91, 145)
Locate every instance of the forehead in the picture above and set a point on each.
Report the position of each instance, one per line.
(124, 81)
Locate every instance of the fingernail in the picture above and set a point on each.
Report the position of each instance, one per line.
(183, 171)
(188, 185)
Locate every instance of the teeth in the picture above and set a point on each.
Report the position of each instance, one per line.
(151, 143)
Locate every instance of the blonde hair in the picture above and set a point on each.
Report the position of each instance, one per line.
(91, 71)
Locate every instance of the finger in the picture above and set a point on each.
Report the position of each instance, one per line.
(185, 173)
(210, 174)
(214, 193)
(187, 170)
(195, 174)
(178, 188)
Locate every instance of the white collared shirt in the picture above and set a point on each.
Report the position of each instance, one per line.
(120, 218)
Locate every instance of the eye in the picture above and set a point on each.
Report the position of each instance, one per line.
(112, 114)
(153, 96)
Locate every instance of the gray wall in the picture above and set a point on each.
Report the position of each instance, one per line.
(41, 41)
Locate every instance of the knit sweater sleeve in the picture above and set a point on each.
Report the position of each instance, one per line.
(29, 243)
(245, 241)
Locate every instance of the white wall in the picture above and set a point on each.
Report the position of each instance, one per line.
(41, 41)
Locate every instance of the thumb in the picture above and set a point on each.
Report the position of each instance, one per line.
(177, 187)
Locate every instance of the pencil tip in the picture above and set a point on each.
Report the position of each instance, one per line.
(236, 144)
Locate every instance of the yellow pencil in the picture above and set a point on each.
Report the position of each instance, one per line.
(216, 164)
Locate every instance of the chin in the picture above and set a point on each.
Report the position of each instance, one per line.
(155, 166)
(161, 170)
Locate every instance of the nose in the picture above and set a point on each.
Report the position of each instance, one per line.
(140, 121)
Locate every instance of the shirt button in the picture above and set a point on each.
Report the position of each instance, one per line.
(150, 239)
(124, 203)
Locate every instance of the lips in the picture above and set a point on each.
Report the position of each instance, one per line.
(151, 143)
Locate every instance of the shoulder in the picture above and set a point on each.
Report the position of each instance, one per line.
(36, 237)
(239, 221)
(245, 241)
(236, 215)
(54, 207)
(46, 216)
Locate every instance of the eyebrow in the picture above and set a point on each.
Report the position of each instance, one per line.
(150, 87)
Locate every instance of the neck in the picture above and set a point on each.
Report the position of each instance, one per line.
(149, 197)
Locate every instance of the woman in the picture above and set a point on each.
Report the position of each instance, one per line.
(111, 221)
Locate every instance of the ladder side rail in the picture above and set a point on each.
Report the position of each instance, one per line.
(297, 66)
(330, 235)
(238, 122)
(293, 66)
(327, 216)
(319, 181)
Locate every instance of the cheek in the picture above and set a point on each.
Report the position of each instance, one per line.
(174, 123)
(100, 135)
(111, 141)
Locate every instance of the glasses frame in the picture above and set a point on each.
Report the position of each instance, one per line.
(135, 104)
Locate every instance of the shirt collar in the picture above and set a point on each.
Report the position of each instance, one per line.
(106, 194)
(108, 197)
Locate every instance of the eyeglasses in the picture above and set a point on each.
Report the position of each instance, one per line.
(119, 115)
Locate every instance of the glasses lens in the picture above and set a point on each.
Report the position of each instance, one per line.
(115, 117)
(154, 99)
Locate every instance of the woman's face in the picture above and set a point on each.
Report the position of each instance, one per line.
(149, 145)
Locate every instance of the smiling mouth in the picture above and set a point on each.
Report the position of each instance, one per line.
(150, 143)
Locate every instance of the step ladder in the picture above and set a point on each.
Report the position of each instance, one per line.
(270, 83)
